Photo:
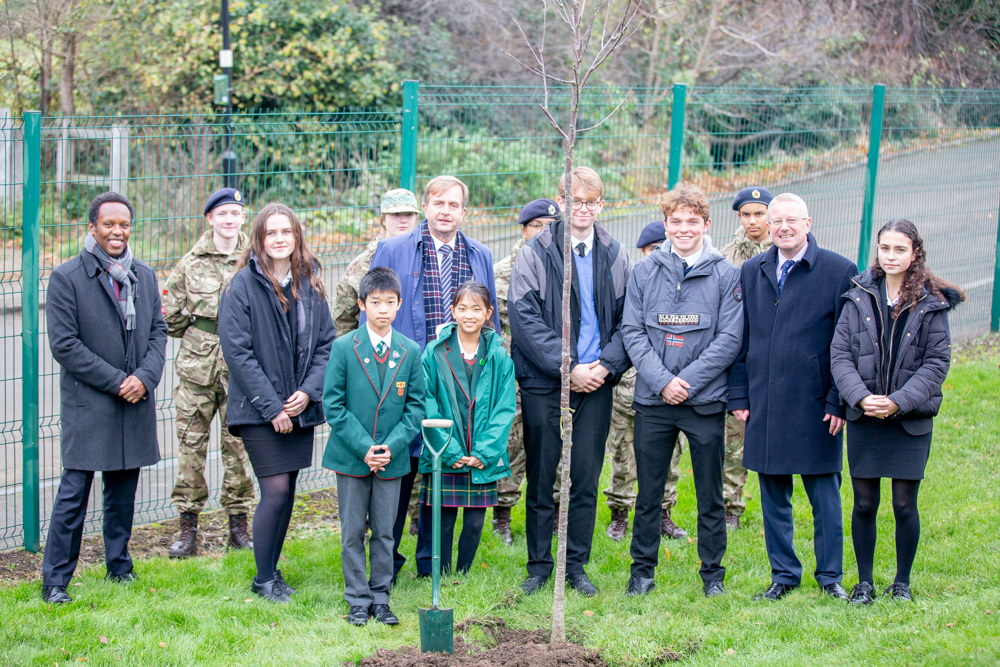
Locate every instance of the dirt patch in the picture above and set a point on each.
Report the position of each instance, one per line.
(503, 647)
(314, 511)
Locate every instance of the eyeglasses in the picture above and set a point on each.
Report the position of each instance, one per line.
(591, 205)
(787, 221)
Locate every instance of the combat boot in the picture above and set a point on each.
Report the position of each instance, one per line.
(501, 524)
(187, 542)
(732, 522)
(415, 526)
(239, 536)
(669, 528)
(618, 525)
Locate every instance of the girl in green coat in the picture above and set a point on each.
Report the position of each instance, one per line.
(470, 380)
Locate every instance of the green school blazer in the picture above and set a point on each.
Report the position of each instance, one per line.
(492, 411)
(362, 411)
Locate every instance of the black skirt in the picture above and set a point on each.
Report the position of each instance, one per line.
(883, 448)
(272, 453)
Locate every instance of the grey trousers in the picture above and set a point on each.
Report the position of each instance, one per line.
(372, 500)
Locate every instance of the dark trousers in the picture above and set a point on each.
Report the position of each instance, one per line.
(779, 529)
(372, 500)
(405, 488)
(656, 430)
(543, 449)
(62, 549)
(473, 519)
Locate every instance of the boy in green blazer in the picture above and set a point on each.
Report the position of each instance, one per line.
(373, 399)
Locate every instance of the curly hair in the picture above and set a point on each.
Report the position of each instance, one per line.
(918, 276)
(685, 195)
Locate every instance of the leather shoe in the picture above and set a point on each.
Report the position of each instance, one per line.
(269, 590)
(863, 593)
(55, 595)
(126, 578)
(714, 589)
(384, 615)
(618, 525)
(581, 584)
(639, 586)
(732, 522)
(358, 615)
(284, 584)
(532, 584)
(836, 591)
(899, 591)
(775, 592)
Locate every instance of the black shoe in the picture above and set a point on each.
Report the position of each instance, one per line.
(639, 586)
(384, 615)
(714, 589)
(775, 592)
(55, 595)
(126, 578)
(358, 615)
(899, 591)
(392, 582)
(532, 584)
(581, 584)
(269, 590)
(280, 581)
(836, 591)
(863, 593)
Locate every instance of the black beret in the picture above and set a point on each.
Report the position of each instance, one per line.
(752, 195)
(540, 208)
(223, 196)
(654, 232)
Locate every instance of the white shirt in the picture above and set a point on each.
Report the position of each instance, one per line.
(376, 339)
(798, 258)
(287, 279)
(465, 355)
(588, 242)
(691, 259)
(438, 243)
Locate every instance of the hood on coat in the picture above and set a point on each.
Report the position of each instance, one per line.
(494, 341)
(709, 255)
(952, 295)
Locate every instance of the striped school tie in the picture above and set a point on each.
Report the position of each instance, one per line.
(444, 276)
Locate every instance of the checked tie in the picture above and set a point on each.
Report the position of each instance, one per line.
(785, 268)
(444, 273)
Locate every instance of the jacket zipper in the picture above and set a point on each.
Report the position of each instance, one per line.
(891, 371)
(878, 311)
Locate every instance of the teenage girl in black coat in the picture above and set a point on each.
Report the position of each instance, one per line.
(889, 358)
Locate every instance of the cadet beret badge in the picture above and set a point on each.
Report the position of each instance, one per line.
(237, 196)
(552, 209)
(755, 193)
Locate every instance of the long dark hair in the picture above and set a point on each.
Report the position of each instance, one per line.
(480, 293)
(918, 276)
(304, 262)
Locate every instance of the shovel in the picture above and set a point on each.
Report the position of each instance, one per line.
(437, 626)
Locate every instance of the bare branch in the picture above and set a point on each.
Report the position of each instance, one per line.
(747, 40)
(555, 123)
(596, 125)
(534, 70)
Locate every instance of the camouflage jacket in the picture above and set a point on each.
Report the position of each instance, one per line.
(501, 274)
(193, 290)
(742, 248)
(624, 392)
(346, 313)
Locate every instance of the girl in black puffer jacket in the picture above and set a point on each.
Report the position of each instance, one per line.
(889, 358)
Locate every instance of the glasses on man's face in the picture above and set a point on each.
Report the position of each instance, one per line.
(778, 222)
(590, 205)
(760, 215)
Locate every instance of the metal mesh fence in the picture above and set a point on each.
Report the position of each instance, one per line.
(939, 166)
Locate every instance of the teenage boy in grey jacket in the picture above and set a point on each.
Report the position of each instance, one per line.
(683, 327)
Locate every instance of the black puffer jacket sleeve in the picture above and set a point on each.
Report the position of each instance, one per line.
(926, 381)
(535, 339)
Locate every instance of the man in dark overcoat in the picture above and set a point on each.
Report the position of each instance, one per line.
(107, 333)
(781, 386)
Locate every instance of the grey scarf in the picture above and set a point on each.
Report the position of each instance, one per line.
(120, 269)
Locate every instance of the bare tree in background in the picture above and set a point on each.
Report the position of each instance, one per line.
(597, 32)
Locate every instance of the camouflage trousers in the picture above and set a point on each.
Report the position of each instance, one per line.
(621, 494)
(509, 488)
(196, 407)
(734, 475)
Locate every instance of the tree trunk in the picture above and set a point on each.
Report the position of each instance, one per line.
(44, 78)
(66, 83)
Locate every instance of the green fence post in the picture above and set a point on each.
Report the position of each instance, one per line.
(408, 152)
(995, 312)
(676, 134)
(31, 198)
(874, 141)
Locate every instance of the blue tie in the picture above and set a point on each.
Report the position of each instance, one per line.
(785, 268)
(444, 274)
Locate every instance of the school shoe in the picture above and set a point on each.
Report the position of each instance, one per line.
(358, 615)
(775, 592)
(714, 589)
(186, 544)
(501, 524)
(239, 536)
(269, 590)
(863, 593)
(836, 591)
(898, 591)
(639, 586)
(669, 528)
(55, 595)
(732, 522)
(382, 614)
(280, 580)
(126, 578)
(618, 525)
(532, 584)
(581, 584)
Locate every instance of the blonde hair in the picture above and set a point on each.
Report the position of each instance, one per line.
(585, 179)
(685, 195)
(439, 184)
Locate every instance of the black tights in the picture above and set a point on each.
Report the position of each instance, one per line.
(867, 494)
(270, 521)
(473, 519)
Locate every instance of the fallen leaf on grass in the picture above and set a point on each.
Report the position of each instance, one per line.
(163, 644)
(340, 616)
(226, 598)
(102, 639)
(79, 583)
(274, 624)
(667, 553)
(249, 600)
(152, 590)
(588, 613)
(484, 565)
(950, 625)
(690, 540)
(730, 651)
(81, 660)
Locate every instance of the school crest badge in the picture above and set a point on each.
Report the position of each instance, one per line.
(400, 388)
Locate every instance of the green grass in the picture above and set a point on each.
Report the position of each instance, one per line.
(200, 614)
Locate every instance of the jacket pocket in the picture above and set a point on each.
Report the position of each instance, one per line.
(198, 356)
(678, 337)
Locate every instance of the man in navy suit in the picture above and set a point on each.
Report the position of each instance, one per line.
(781, 386)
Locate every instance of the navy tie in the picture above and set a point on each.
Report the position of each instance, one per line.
(445, 278)
(785, 268)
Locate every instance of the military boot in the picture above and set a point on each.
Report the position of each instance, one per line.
(618, 525)
(669, 528)
(732, 522)
(187, 542)
(501, 524)
(239, 536)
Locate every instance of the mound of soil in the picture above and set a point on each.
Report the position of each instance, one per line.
(504, 647)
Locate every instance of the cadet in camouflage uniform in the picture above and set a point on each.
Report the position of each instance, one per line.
(751, 238)
(533, 219)
(621, 494)
(190, 308)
